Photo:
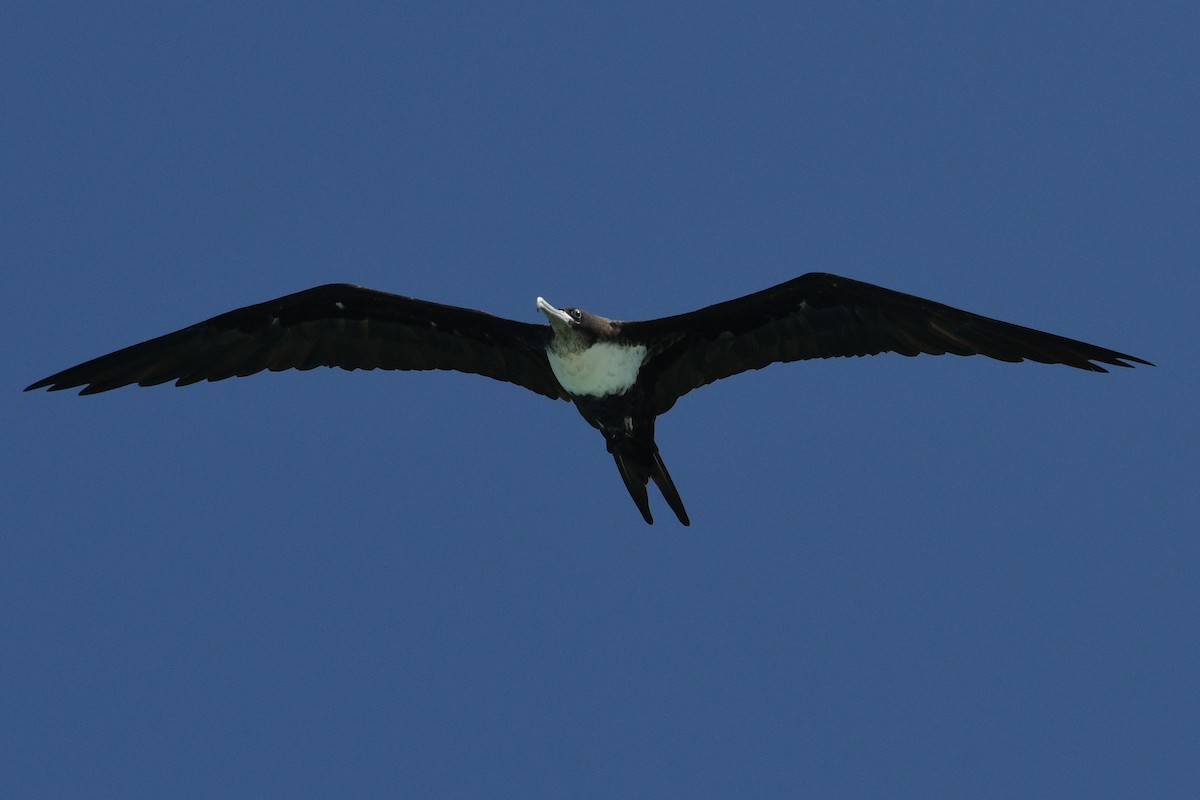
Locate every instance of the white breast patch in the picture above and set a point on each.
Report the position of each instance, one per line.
(602, 369)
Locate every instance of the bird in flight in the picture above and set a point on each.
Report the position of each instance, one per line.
(621, 376)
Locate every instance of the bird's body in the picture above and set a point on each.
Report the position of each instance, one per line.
(620, 375)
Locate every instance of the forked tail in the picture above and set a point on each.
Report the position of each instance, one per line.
(639, 464)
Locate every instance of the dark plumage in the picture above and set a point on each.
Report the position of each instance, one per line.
(620, 375)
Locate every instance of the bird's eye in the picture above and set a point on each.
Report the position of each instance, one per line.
(575, 313)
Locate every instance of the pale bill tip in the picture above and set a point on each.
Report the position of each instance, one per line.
(556, 317)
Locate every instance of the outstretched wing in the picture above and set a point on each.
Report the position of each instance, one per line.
(825, 316)
(337, 325)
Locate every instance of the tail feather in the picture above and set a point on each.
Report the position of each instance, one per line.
(637, 472)
(662, 479)
(634, 476)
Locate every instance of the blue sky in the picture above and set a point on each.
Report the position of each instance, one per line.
(933, 577)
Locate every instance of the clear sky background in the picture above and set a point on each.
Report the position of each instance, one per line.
(932, 577)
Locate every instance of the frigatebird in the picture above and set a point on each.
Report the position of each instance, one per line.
(621, 376)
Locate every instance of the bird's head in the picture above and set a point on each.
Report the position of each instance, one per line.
(575, 323)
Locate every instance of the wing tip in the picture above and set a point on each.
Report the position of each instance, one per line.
(51, 384)
(1117, 360)
(56, 384)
